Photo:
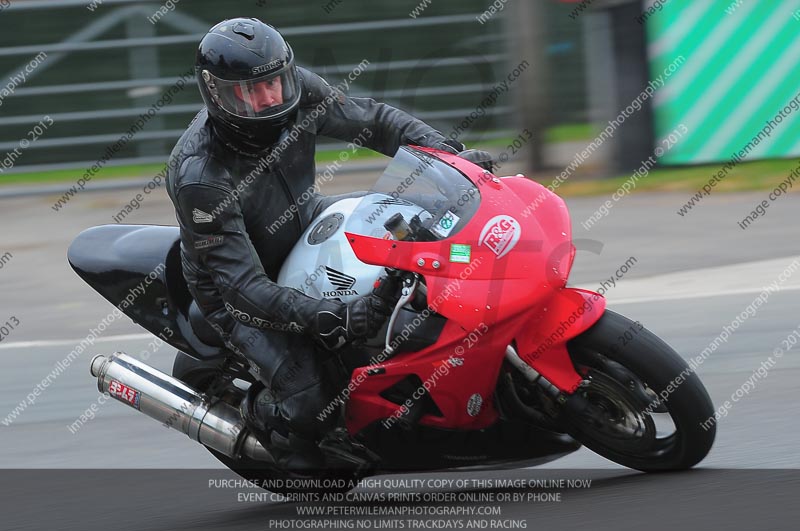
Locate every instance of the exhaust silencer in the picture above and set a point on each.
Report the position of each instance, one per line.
(176, 405)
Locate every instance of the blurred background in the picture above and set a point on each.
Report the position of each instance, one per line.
(108, 63)
(94, 66)
(575, 94)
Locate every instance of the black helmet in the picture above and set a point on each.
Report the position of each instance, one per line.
(248, 80)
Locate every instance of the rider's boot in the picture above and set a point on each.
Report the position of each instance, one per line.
(291, 451)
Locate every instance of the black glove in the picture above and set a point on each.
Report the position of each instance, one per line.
(338, 324)
(481, 158)
(451, 146)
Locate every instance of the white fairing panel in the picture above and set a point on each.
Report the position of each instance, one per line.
(322, 263)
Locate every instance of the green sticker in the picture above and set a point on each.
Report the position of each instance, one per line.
(460, 253)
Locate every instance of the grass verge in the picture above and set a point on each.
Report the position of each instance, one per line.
(758, 175)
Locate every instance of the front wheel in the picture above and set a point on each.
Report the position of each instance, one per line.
(643, 407)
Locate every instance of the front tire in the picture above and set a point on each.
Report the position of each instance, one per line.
(629, 368)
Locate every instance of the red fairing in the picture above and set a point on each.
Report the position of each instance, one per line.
(452, 373)
(521, 250)
(543, 344)
(511, 289)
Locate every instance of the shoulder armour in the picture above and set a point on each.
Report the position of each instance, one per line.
(315, 88)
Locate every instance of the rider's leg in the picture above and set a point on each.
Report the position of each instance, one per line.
(295, 404)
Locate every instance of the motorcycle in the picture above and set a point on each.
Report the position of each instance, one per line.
(489, 360)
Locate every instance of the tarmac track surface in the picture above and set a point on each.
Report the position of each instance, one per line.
(692, 276)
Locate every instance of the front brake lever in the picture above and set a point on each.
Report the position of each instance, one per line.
(409, 290)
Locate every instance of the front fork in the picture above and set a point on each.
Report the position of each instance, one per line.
(570, 403)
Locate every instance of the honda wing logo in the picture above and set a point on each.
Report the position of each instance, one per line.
(343, 283)
(339, 279)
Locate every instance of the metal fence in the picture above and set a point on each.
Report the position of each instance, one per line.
(103, 63)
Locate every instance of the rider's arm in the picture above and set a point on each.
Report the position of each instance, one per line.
(219, 240)
(347, 118)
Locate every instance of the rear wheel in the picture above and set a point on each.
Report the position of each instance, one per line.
(644, 408)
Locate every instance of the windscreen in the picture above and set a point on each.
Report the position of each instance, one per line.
(441, 196)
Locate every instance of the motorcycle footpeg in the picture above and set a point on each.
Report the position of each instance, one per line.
(340, 447)
(264, 439)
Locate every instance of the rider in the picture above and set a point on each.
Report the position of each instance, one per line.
(239, 167)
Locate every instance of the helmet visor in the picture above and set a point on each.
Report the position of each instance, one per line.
(267, 96)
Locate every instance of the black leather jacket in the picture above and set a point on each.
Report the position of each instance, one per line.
(228, 202)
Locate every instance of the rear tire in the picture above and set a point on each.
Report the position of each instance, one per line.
(655, 364)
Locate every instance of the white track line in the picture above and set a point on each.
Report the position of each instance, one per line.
(633, 300)
(749, 278)
(73, 342)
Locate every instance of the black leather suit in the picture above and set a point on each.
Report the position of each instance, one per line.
(226, 199)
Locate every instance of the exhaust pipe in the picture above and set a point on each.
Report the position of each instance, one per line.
(176, 405)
